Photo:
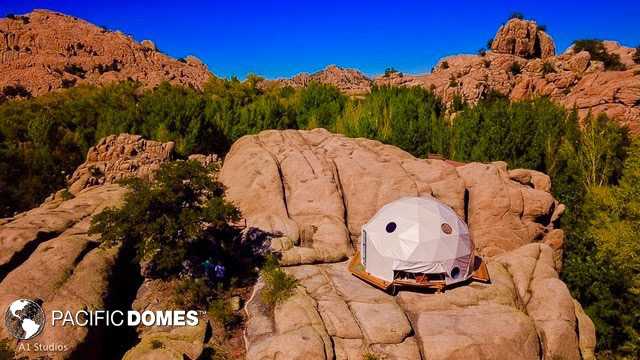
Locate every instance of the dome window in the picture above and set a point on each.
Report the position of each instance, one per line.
(391, 227)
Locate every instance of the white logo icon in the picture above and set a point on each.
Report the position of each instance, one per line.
(24, 319)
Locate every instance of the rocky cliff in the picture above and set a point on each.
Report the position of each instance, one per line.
(314, 190)
(44, 50)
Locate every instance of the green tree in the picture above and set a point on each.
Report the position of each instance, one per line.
(319, 105)
(602, 266)
(178, 214)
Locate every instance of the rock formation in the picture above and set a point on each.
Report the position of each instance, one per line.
(571, 79)
(44, 50)
(119, 156)
(47, 254)
(523, 38)
(314, 190)
(349, 81)
(317, 189)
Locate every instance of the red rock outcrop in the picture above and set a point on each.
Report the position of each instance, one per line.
(571, 79)
(349, 81)
(523, 38)
(44, 50)
(119, 156)
(317, 189)
(46, 253)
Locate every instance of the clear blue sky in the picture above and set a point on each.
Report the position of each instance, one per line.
(282, 38)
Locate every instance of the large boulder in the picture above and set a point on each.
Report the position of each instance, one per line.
(120, 156)
(317, 189)
(523, 38)
(524, 313)
(50, 257)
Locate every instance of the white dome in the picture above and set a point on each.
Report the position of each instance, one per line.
(417, 234)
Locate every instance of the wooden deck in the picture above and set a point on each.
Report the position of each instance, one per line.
(357, 269)
(481, 273)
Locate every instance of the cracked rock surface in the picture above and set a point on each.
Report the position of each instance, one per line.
(315, 190)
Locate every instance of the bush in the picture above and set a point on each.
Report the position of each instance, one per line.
(194, 293)
(489, 43)
(515, 69)
(221, 312)
(542, 28)
(17, 90)
(182, 213)
(598, 52)
(75, 70)
(636, 55)
(102, 68)
(5, 350)
(602, 268)
(444, 64)
(279, 285)
(391, 71)
(157, 344)
(66, 195)
(482, 52)
(547, 68)
(516, 15)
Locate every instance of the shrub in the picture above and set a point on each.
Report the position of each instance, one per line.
(636, 55)
(181, 213)
(602, 269)
(66, 195)
(458, 103)
(5, 350)
(489, 43)
(547, 68)
(194, 292)
(114, 66)
(515, 68)
(542, 28)
(370, 356)
(444, 64)
(486, 63)
(157, 344)
(279, 285)
(482, 52)
(75, 70)
(17, 90)
(516, 15)
(453, 82)
(598, 52)
(220, 311)
(391, 71)
(68, 83)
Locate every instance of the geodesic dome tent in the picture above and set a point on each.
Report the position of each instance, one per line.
(417, 238)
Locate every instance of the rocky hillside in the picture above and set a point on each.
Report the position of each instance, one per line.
(522, 63)
(351, 82)
(317, 189)
(44, 50)
(313, 190)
